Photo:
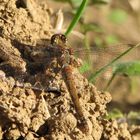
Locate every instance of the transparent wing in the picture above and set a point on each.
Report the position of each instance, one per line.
(102, 56)
(97, 58)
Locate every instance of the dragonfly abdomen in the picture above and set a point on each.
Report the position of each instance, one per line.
(70, 83)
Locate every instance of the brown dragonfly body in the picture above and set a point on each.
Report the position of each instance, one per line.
(62, 52)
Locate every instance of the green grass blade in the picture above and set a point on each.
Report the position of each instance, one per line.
(76, 17)
(94, 75)
(125, 68)
(109, 82)
(131, 68)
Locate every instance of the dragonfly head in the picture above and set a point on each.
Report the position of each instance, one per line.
(58, 39)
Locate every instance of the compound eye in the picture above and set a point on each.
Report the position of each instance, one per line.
(63, 38)
(54, 39)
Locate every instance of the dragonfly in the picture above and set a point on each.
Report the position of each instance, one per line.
(62, 52)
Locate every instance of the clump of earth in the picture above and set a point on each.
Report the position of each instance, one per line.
(35, 102)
